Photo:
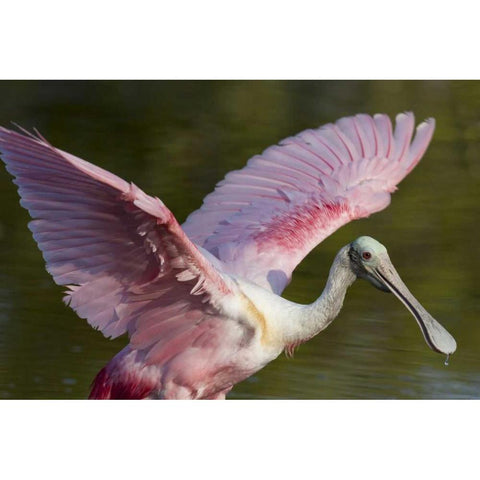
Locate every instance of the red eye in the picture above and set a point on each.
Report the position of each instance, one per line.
(366, 255)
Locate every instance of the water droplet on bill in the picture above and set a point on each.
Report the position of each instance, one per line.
(446, 360)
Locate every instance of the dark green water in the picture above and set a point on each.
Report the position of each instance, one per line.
(176, 140)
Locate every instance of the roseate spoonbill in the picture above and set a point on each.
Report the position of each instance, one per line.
(201, 302)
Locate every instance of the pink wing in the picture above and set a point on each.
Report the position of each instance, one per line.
(125, 259)
(262, 220)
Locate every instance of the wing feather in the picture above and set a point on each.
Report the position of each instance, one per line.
(262, 220)
(128, 265)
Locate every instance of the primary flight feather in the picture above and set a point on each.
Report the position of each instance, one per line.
(200, 302)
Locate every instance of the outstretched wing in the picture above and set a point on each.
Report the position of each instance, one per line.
(264, 219)
(126, 261)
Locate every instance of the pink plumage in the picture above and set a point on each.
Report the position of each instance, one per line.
(129, 267)
(314, 183)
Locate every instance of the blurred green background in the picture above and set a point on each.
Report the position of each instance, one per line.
(176, 139)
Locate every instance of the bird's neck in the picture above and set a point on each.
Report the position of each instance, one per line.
(312, 319)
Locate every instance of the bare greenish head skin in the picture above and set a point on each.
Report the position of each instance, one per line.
(366, 254)
(369, 260)
(364, 244)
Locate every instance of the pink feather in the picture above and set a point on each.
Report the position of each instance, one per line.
(130, 267)
(343, 172)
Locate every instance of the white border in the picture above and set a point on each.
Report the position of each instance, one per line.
(239, 439)
(252, 39)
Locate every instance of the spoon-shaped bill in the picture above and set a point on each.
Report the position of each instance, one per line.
(436, 336)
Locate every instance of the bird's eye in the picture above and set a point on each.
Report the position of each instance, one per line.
(366, 255)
